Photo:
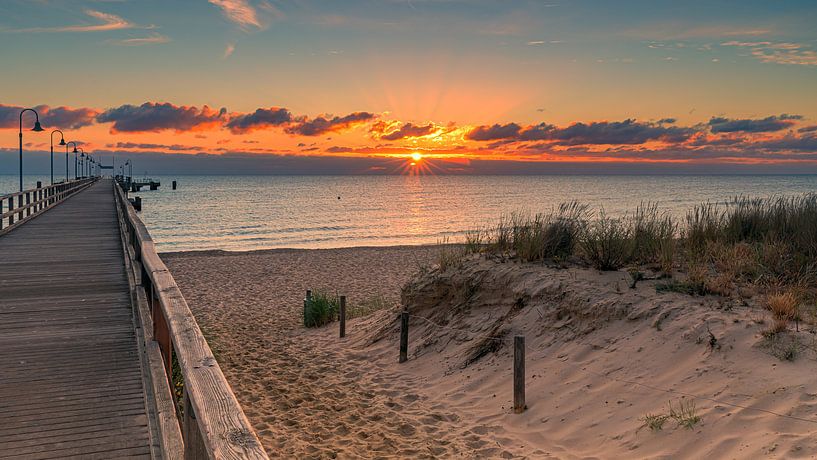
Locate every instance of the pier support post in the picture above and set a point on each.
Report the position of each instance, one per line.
(404, 325)
(174, 185)
(519, 374)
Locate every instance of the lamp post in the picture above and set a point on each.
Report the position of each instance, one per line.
(66, 157)
(81, 162)
(62, 142)
(37, 128)
(76, 161)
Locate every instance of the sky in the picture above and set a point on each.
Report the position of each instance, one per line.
(415, 86)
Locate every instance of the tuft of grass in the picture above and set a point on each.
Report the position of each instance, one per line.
(450, 255)
(607, 244)
(783, 306)
(321, 310)
(367, 306)
(655, 422)
(685, 414)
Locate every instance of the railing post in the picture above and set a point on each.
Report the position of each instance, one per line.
(37, 196)
(20, 206)
(28, 204)
(194, 447)
(11, 207)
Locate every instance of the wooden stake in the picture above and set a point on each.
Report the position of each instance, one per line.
(519, 374)
(342, 316)
(404, 323)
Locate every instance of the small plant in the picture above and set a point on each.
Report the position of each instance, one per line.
(321, 309)
(783, 306)
(655, 422)
(366, 307)
(685, 414)
(607, 244)
(450, 255)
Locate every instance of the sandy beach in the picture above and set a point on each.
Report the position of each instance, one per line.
(601, 358)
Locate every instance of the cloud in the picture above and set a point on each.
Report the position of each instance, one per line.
(807, 129)
(410, 130)
(602, 132)
(142, 146)
(260, 119)
(152, 39)
(769, 124)
(152, 117)
(323, 124)
(494, 132)
(107, 22)
(228, 50)
(778, 52)
(239, 12)
(50, 117)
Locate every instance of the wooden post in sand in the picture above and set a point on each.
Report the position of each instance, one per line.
(307, 299)
(342, 314)
(404, 323)
(519, 374)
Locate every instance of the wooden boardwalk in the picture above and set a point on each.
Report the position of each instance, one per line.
(71, 380)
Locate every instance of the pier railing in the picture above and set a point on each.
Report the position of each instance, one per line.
(210, 422)
(19, 207)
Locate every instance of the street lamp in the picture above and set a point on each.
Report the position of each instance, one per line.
(66, 157)
(62, 142)
(37, 128)
(77, 163)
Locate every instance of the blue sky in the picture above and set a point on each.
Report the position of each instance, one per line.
(446, 62)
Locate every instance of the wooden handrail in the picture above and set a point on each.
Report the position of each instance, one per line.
(214, 425)
(44, 198)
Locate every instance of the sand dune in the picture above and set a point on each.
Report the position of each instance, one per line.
(600, 356)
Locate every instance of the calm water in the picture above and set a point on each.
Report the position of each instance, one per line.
(257, 212)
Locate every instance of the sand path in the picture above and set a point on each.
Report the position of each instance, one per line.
(307, 393)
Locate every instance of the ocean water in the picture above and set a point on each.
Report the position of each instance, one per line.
(260, 212)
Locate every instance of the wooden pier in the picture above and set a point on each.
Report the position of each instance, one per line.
(91, 325)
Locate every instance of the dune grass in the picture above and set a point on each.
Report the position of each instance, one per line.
(767, 242)
(321, 309)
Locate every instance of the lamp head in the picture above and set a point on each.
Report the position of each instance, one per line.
(75, 150)
(62, 141)
(37, 127)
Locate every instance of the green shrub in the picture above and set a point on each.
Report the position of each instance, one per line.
(321, 309)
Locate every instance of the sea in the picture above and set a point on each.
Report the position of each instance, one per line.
(241, 213)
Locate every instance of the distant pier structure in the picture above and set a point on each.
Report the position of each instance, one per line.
(136, 185)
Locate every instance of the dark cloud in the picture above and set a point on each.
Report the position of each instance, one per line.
(807, 129)
(748, 125)
(667, 121)
(410, 130)
(50, 117)
(260, 119)
(338, 149)
(171, 147)
(602, 132)
(494, 132)
(151, 117)
(619, 132)
(323, 125)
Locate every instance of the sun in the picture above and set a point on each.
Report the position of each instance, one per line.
(416, 156)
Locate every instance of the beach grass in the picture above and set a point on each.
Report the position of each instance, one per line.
(767, 242)
(321, 309)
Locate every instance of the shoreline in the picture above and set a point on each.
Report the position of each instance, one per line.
(226, 252)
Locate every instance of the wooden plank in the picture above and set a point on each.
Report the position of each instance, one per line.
(70, 376)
